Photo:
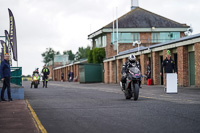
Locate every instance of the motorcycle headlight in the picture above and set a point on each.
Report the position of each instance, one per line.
(34, 78)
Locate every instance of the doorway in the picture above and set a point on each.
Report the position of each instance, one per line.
(161, 77)
(175, 60)
(191, 68)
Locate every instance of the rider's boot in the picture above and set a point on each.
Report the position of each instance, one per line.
(43, 84)
(46, 83)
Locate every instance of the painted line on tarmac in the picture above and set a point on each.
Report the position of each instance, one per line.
(36, 119)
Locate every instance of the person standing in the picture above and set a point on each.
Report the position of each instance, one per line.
(62, 77)
(169, 65)
(68, 77)
(45, 72)
(71, 76)
(148, 76)
(5, 77)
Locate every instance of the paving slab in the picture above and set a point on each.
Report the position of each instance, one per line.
(16, 118)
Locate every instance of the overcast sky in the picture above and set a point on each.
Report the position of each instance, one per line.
(65, 24)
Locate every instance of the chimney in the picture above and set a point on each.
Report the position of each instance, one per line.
(134, 4)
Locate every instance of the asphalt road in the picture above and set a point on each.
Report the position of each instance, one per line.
(100, 108)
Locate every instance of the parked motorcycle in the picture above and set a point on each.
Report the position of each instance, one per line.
(132, 83)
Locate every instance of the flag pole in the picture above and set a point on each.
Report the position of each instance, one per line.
(113, 26)
(117, 30)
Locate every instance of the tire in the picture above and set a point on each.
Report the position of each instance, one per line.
(127, 95)
(136, 91)
(35, 85)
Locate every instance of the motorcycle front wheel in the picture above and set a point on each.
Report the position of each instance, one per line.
(135, 88)
(127, 95)
(35, 85)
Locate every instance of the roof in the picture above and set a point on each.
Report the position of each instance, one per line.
(159, 45)
(73, 63)
(141, 18)
(132, 50)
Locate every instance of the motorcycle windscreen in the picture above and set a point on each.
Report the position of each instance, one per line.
(134, 70)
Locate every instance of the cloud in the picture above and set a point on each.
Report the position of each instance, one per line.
(65, 24)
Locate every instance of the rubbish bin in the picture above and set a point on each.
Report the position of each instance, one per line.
(91, 73)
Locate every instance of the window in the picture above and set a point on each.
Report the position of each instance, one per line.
(125, 37)
(98, 43)
(175, 35)
(104, 41)
(135, 37)
(165, 36)
(115, 38)
(155, 37)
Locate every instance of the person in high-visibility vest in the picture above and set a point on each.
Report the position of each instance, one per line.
(45, 72)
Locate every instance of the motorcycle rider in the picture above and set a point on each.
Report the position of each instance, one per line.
(35, 72)
(45, 72)
(130, 63)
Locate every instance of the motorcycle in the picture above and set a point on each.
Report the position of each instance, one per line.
(35, 80)
(132, 83)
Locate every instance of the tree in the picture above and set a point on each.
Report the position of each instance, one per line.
(90, 56)
(96, 55)
(48, 55)
(82, 53)
(70, 54)
(57, 53)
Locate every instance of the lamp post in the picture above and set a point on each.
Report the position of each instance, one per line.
(138, 43)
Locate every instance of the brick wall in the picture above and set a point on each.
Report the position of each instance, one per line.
(164, 57)
(77, 72)
(156, 68)
(124, 60)
(106, 72)
(145, 37)
(119, 68)
(111, 72)
(143, 63)
(197, 64)
(125, 46)
(110, 52)
(182, 55)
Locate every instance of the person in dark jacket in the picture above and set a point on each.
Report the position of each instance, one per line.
(148, 76)
(45, 72)
(5, 77)
(68, 77)
(168, 64)
(71, 76)
(62, 77)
